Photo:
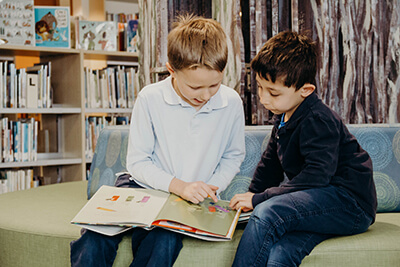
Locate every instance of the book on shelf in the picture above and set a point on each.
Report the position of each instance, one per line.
(15, 180)
(17, 22)
(43, 72)
(26, 87)
(52, 26)
(18, 140)
(131, 36)
(123, 208)
(112, 87)
(97, 35)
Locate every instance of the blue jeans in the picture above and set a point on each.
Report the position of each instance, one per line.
(284, 229)
(157, 247)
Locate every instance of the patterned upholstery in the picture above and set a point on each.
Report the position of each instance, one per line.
(381, 141)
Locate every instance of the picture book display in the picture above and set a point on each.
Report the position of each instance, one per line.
(52, 26)
(123, 208)
(97, 35)
(17, 22)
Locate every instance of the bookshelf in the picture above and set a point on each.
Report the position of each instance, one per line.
(65, 160)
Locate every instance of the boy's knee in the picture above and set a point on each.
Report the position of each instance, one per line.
(282, 256)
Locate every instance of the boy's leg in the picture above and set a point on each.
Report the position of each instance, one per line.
(293, 247)
(93, 249)
(327, 210)
(158, 247)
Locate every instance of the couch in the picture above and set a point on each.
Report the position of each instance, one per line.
(35, 227)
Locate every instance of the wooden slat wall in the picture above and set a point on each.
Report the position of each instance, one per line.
(359, 43)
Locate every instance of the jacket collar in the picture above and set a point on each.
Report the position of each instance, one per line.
(299, 113)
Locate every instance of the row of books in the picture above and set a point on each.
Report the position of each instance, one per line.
(93, 127)
(112, 87)
(121, 17)
(18, 140)
(15, 180)
(26, 87)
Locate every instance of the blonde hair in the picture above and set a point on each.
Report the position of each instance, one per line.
(196, 41)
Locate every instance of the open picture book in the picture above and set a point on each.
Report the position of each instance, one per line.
(113, 210)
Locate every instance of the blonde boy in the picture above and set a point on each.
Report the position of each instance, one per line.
(186, 137)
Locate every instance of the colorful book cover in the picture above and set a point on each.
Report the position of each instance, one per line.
(148, 208)
(97, 35)
(17, 22)
(52, 26)
(131, 35)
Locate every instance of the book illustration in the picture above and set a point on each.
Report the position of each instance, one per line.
(52, 26)
(131, 35)
(97, 35)
(17, 22)
(113, 206)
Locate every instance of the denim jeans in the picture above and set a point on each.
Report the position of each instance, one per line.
(157, 247)
(284, 229)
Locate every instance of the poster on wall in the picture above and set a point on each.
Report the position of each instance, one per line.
(97, 35)
(52, 26)
(17, 22)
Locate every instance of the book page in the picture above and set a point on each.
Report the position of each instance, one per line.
(122, 206)
(207, 216)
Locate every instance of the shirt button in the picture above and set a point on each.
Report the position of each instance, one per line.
(277, 137)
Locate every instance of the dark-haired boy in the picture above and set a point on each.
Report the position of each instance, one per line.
(329, 190)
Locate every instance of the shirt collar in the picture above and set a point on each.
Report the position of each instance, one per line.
(218, 101)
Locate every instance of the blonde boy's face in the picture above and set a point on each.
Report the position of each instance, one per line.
(196, 86)
(278, 98)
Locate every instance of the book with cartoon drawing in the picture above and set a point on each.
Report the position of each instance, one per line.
(52, 26)
(113, 210)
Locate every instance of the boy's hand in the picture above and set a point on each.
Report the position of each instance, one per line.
(194, 192)
(242, 201)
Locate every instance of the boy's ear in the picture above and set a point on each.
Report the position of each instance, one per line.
(169, 68)
(307, 89)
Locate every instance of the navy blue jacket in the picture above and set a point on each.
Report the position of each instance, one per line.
(314, 149)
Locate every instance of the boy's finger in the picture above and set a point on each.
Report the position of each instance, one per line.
(213, 196)
(213, 187)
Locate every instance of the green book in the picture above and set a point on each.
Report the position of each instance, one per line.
(113, 210)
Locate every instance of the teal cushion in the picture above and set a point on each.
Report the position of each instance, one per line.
(382, 142)
(109, 157)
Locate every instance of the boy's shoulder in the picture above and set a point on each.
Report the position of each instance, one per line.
(229, 93)
(154, 90)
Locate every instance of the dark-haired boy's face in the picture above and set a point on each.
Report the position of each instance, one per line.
(278, 98)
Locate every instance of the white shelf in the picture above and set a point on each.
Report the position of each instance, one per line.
(89, 111)
(55, 110)
(47, 162)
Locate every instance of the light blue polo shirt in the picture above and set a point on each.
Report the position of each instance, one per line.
(168, 138)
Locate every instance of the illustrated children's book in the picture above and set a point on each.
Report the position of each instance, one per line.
(122, 208)
(17, 22)
(131, 35)
(97, 35)
(52, 26)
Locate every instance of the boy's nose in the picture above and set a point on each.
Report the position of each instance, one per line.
(206, 95)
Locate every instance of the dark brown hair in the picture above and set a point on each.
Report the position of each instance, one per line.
(289, 55)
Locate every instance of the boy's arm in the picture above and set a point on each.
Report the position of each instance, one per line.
(319, 144)
(234, 153)
(269, 172)
(140, 149)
